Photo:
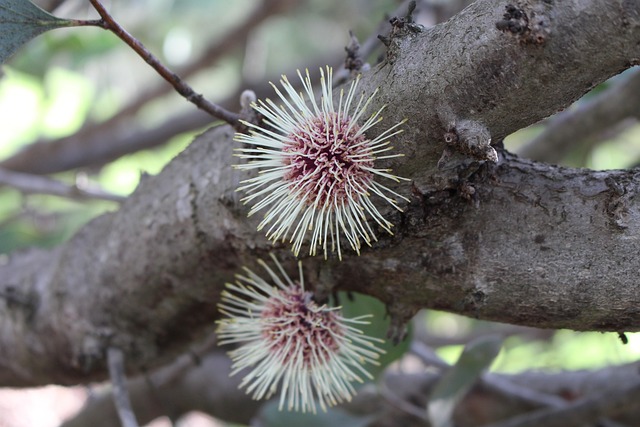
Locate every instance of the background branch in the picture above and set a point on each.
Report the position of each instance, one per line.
(34, 184)
(580, 412)
(99, 144)
(202, 383)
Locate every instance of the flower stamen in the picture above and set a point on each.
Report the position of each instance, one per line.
(310, 351)
(317, 166)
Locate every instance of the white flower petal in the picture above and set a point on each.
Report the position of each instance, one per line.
(309, 351)
(317, 167)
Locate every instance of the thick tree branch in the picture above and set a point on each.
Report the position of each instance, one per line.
(531, 244)
(573, 128)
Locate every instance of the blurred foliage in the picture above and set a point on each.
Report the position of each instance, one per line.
(561, 350)
(66, 78)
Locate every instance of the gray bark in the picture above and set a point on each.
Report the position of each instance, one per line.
(533, 245)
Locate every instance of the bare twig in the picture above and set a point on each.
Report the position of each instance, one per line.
(427, 355)
(216, 50)
(115, 360)
(507, 388)
(354, 61)
(108, 23)
(401, 404)
(28, 183)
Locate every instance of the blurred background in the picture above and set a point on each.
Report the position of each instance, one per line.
(80, 107)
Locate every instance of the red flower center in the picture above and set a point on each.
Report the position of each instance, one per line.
(294, 323)
(328, 160)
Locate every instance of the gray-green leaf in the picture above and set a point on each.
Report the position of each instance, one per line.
(454, 385)
(20, 21)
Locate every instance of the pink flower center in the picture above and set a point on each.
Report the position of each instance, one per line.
(328, 160)
(295, 326)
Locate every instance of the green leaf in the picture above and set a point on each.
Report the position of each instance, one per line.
(362, 305)
(477, 356)
(20, 21)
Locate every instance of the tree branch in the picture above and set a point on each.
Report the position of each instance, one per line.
(232, 39)
(574, 127)
(186, 385)
(536, 244)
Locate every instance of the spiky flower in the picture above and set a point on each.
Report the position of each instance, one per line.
(316, 166)
(287, 340)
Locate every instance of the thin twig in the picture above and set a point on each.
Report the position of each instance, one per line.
(28, 183)
(427, 355)
(115, 360)
(108, 23)
(505, 387)
(215, 50)
(401, 404)
(580, 412)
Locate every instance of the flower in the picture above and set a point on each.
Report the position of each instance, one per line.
(316, 167)
(287, 339)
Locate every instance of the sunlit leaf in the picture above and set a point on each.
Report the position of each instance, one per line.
(455, 383)
(20, 21)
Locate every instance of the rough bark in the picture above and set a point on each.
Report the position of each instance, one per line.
(518, 242)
